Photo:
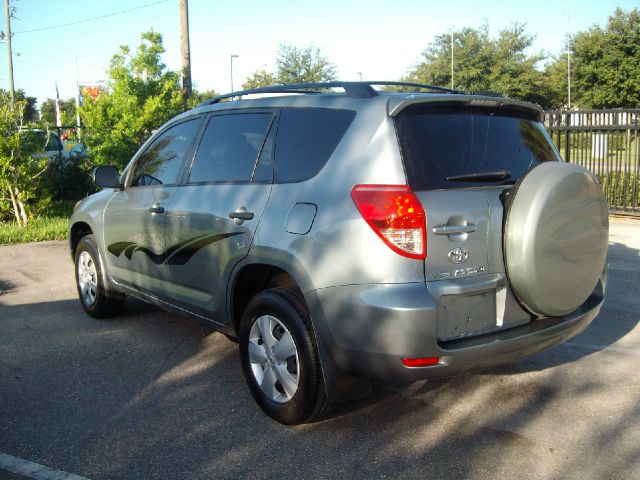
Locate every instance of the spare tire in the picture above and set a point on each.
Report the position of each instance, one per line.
(555, 238)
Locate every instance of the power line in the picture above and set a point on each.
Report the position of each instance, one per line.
(119, 12)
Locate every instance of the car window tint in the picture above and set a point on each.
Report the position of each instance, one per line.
(229, 148)
(306, 139)
(440, 142)
(161, 162)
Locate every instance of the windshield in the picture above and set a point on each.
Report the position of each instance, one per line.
(441, 143)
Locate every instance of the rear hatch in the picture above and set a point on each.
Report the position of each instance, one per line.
(461, 159)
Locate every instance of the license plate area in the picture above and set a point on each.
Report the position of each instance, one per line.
(464, 315)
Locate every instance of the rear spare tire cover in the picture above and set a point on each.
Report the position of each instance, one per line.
(555, 238)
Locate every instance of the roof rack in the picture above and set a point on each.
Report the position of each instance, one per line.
(351, 89)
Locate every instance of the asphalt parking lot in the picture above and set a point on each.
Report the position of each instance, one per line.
(152, 395)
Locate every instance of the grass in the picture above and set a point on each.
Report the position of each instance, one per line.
(37, 230)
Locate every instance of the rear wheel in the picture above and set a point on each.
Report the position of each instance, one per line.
(279, 357)
(96, 299)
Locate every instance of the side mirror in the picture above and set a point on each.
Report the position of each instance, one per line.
(106, 176)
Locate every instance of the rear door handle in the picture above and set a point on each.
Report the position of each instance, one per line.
(453, 229)
(240, 215)
(156, 209)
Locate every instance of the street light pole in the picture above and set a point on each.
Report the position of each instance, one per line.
(8, 37)
(452, 58)
(360, 74)
(568, 61)
(232, 57)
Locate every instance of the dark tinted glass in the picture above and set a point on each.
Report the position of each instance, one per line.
(441, 142)
(229, 148)
(161, 162)
(306, 139)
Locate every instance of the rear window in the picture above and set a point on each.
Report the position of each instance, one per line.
(306, 139)
(441, 142)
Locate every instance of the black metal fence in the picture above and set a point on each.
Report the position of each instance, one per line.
(607, 142)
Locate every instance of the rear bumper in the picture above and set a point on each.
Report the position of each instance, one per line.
(365, 330)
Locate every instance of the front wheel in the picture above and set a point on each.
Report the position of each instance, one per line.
(279, 357)
(95, 298)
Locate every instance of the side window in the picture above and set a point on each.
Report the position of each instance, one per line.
(229, 148)
(306, 139)
(161, 162)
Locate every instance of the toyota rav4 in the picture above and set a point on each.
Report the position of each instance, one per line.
(343, 233)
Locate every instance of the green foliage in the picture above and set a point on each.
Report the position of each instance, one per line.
(38, 229)
(140, 96)
(199, 96)
(302, 65)
(20, 172)
(555, 74)
(30, 114)
(484, 64)
(67, 112)
(618, 188)
(69, 178)
(259, 78)
(606, 63)
(294, 65)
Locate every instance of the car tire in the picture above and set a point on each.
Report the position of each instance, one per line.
(279, 357)
(96, 299)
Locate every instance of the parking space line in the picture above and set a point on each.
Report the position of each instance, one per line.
(34, 470)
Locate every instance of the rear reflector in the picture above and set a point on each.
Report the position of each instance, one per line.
(420, 362)
(395, 215)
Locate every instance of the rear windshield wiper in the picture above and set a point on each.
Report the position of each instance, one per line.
(481, 177)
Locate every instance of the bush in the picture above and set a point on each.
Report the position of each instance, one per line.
(621, 189)
(69, 179)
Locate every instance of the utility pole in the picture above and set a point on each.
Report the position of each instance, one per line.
(75, 58)
(11, 88)
(185, 50)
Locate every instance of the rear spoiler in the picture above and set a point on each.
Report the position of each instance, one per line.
(395, 107)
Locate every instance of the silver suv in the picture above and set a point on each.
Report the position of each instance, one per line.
(343, 234)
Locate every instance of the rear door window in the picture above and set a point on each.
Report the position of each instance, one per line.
(229, 148)
(306, 139)
(440, 142)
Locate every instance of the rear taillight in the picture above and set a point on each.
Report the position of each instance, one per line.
(396, 215)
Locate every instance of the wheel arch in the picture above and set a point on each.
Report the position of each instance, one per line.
(252, 279)
(78, 230)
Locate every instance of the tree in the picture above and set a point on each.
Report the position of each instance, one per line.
(199, 96)
(67, 111)
(140, 96)
(295, 65)
(484, 64)
(30, 110)
(555, 74)
(605, 63)
(259, 78)
(303, 65)
(20, 173)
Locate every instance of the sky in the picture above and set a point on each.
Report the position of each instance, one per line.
(379, 39)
